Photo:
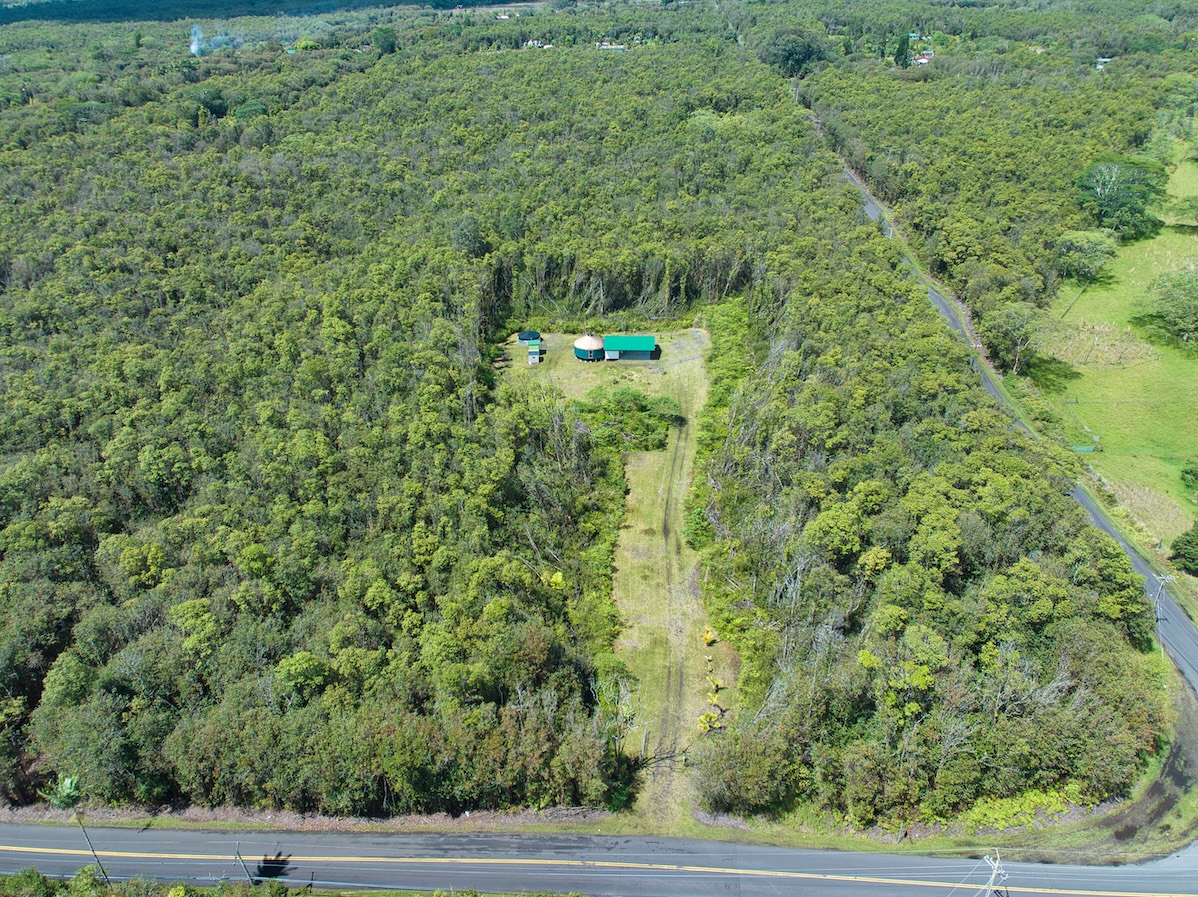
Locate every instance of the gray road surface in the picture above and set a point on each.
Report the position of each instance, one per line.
(633, 867)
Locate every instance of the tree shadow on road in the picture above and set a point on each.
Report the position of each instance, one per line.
(273, 867)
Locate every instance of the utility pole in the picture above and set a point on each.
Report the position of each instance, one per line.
(995, 887)
(245, 869)
(1161, 579)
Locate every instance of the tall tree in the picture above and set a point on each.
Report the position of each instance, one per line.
(1120, 190)
(1083, 253)
(1013, 332)
(1185, 550)
(793, 51)
(1175, 302)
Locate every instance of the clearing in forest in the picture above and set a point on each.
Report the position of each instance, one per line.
(656, 574)
(1132, 398)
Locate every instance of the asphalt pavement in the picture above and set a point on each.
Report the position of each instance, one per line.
(593, 865)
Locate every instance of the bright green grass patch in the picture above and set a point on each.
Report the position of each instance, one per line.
(1183, 182)
(1114, 389)
(1024, 811)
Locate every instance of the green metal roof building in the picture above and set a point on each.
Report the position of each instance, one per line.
(626, 346)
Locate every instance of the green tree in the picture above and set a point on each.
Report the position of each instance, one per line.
(1013, 332)
(384, 40)
(29, 883)
(1185, 550)
(792, 51)
(466, 236)
(1120, 191)
(1175, 301)
(1083, 253)
(902, 52)
(1189, 473)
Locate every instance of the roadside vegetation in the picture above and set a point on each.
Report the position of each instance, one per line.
(277, 531)
(88, 883)
(1070, 244)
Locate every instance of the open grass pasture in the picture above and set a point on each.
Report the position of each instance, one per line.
(1134, 399)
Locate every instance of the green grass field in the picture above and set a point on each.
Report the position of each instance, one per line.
(1134, 399)
(656, 574)
(1183, 181)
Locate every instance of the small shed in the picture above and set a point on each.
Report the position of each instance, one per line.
(534, 351)
(588, 348)
(623, 346)
(527, 337)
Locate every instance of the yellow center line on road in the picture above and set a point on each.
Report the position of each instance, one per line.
(583, 864)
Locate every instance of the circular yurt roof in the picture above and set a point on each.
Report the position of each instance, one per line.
(528, 335)
(588, 343)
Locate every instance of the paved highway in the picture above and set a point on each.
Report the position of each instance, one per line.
(632, 867)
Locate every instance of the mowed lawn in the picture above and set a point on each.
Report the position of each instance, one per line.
(1138, 398)
(655, 581)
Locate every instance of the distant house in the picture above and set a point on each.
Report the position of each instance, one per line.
(534, 351)
(588, 348)
(628, 347)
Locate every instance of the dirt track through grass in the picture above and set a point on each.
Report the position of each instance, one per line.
(657, 590)
(655, 580)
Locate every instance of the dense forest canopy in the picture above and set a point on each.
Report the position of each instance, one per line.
(274, 533)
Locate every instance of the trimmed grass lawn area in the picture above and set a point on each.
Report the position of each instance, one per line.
(655, 581)
(1138, 398)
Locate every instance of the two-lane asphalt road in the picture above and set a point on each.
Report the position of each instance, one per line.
(633, 867)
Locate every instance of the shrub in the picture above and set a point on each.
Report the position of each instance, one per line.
(1185, 550)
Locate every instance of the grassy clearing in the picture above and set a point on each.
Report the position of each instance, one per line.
(656, 577)
(1183, 181)
(1132, 398)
